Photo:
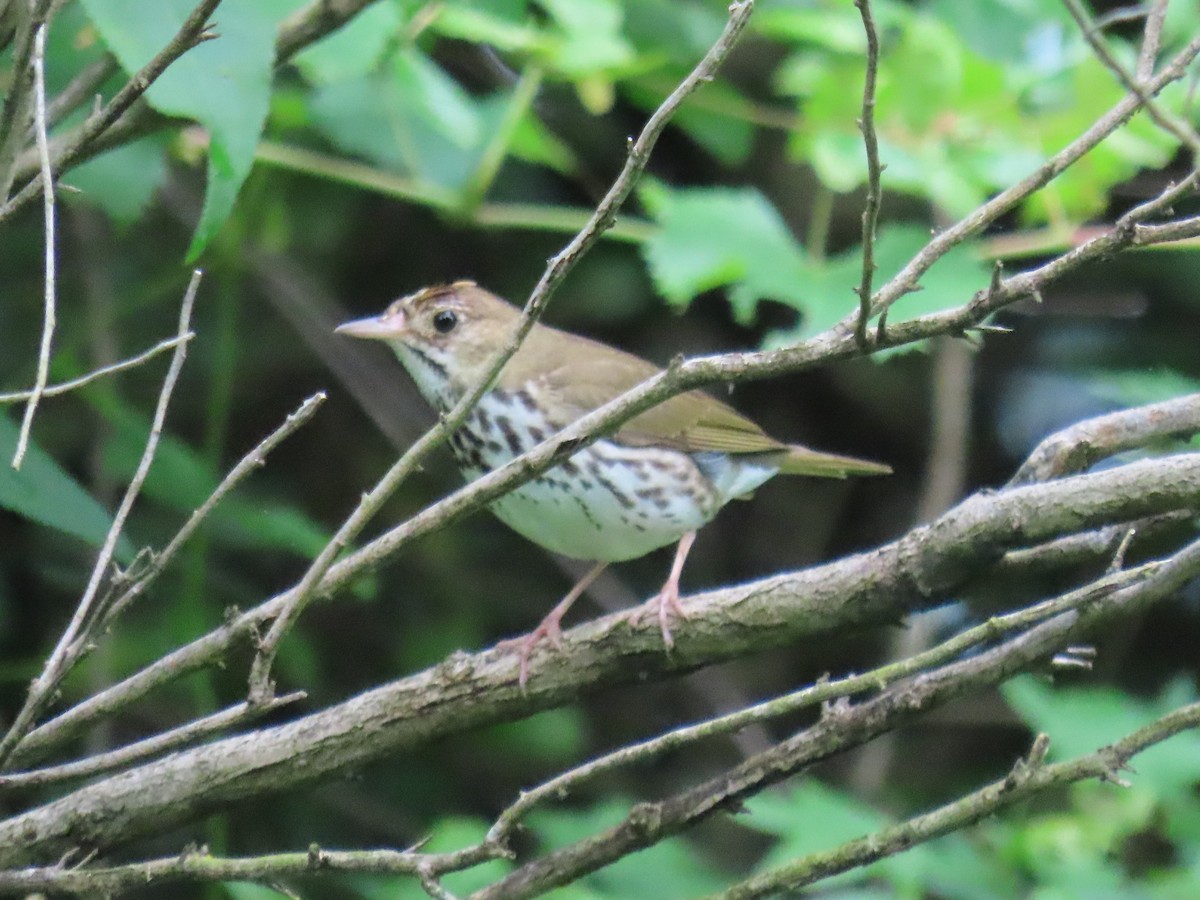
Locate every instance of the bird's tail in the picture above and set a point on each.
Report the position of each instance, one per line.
(803, 461)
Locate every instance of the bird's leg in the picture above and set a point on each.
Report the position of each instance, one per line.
(550, 627)
(666, 602)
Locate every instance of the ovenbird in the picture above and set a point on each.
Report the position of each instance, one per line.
(657, 479)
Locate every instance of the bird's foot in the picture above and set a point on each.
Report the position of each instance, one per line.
(548, 630)
(664, 605)
(550, 627)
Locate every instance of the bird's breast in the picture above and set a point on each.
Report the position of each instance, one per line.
(607, 501)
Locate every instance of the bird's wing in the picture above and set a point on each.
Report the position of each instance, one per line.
(583, 376)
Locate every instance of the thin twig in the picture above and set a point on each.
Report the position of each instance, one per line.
(560, 265)
(140, 751)
(870, 213)
(1151, 39)
(1028, 778)
(192, 32)
(247, 464)
(1164, 119)
(132, 362)
(15, 115)
(72, 643)
(200, 867)
(49, 298)
(81, 89)
(906, 279)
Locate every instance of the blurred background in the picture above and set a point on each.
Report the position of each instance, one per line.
(427, 142)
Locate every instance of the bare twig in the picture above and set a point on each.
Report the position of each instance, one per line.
(870, 213)
(183, 736)
(72, 643)
(192, 32)
(15, 115)
(1029, 778)
(1151, 39)
(906, 279)
(201, 867)
(49, 298)
(560, 265)
(1164, 119)
(132, 362)
(81, 89)
(247, 464)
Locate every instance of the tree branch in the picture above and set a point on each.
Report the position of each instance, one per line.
(1081, 446)
(841, 727)
(1028, 778)
(469, 690)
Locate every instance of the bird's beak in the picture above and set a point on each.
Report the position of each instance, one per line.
(378, 328)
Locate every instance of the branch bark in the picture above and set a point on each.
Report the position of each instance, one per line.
(468, 690)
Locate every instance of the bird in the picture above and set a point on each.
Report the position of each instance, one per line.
(654, 481)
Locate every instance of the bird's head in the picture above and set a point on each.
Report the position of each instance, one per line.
(443, 335)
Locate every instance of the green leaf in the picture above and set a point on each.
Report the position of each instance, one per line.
(507, 31)
(590, 36)
(354, 49)
(415, 118)
(224, 84)
(717, 237)
(713, 237)
(42, 492)
(808, 818)
(123, 181)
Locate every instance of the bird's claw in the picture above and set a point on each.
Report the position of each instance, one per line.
(663, 606)
(548, 630)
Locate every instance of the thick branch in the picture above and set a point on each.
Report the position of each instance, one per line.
(469, 690)
(840, 728)
(1081, 446)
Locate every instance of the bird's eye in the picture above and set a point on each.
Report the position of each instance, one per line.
(445, 320)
